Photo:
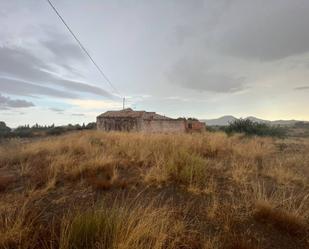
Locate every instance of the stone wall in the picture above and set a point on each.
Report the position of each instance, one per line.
(118, 124)
(167, 125)
(138, 124)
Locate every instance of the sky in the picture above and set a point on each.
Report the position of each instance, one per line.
(201, 58)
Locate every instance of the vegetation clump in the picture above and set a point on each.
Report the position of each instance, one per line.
(132, 226)
(4, 130)
(250, 127)
(280, 219)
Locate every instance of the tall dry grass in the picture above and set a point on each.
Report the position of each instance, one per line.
(220, 187)
(162, 158)
(130, 226)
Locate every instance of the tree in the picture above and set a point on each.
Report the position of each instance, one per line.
(4, 130)
(91, 126)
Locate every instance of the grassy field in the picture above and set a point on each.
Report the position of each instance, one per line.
(138, 191)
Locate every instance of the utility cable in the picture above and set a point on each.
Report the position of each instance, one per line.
(83, 48)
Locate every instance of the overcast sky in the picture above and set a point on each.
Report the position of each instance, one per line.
(201, 58)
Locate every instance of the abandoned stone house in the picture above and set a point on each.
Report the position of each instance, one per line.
(129, 120)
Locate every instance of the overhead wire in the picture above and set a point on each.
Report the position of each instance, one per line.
(83, 48)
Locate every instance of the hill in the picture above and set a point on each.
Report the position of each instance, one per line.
(224, 120)
(93, 189)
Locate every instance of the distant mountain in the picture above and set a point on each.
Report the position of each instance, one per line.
(286, 122)
(254, 119)
(225, 120)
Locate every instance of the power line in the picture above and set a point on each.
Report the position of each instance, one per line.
(83, 48)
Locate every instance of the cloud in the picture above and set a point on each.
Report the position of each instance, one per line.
(66, 50)
(301, 88)
(195, 74)
(82, 87)
(57, 110)
(8, 103)
(78, 114)
(264, 30)
(95, 104)
(22, 88)
(22, 64)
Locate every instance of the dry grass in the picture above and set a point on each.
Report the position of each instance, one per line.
(280, 219)
(127, 227)
(239, 244)
(5, 181)
(20, 226)
(209, 189)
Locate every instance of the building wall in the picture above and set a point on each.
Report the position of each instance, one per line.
(194, 125)
(154, 126)
(118, 124)
(151, 125)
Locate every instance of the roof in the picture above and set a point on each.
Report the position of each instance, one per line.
(129, 113)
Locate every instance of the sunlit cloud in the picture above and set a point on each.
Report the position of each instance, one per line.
(89, 104)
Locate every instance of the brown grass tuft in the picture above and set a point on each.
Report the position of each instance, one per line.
(100, 177)
(5, 181)
(239, 245)
(280, 219)
(185, 240)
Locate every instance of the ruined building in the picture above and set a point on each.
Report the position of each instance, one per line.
(129, 120)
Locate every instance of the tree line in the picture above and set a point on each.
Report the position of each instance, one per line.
(41, 130)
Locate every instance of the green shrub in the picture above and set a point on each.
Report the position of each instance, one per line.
(22, 131)
(250, 127)
(56, 131)
(216, 128)
(91, 126)
(4, 130)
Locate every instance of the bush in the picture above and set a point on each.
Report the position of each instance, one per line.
(216, 128)
(91, 126)
(22, 131)
(4, 130)
(250, 127)
(56, 131)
